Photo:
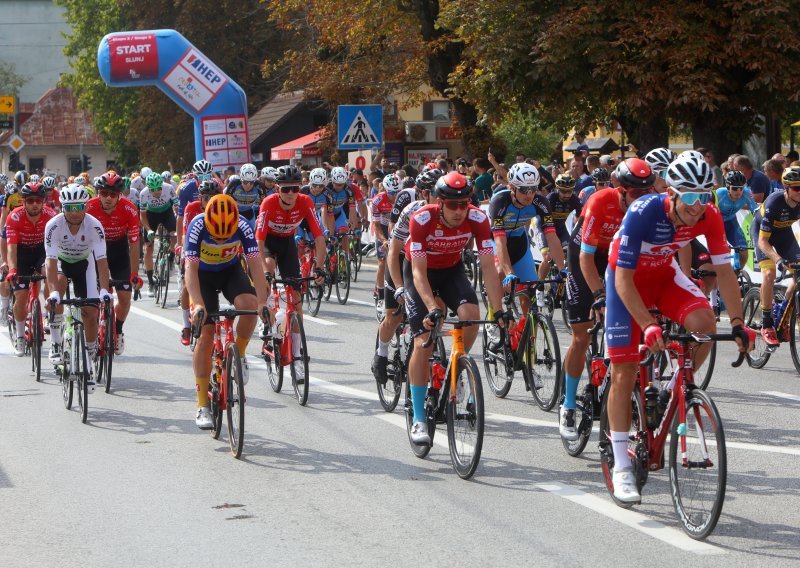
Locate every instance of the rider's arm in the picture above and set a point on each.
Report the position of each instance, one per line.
(192, 278)
(393, 261)
(419, 268)
(503, 258)
(143, 219)
(103, 273)
(555, 248)
(589, 270)
(11, 256)
(51, 272)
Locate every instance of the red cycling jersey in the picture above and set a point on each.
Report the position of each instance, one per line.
(277, 221)
(442, 245)
(20, 230)
(358, 197)
(602, 216)
(53, 200)
(122, 221)
(192, 210)
(382, 209)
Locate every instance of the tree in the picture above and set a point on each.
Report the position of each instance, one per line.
(524, 134)
(11, 81)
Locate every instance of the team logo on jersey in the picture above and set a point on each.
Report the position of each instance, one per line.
(487, 243)
(416, 246)
(477, 215)
(438, 233)
(422, 217)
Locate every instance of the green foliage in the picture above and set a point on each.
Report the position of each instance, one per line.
(10, 81)
(524, 133)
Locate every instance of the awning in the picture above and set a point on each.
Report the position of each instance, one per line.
(304, 146)
(599, 145)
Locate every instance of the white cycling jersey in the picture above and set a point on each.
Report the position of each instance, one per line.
(61, 244)
(133, 196)
(158, 203)
(138, 184)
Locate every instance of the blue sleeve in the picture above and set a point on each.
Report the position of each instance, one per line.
(248, 238)
(639, 221)
(191, 246)
(183, 197)
(751, 203)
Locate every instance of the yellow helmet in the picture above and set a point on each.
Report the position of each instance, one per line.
(791, 176)
(222, 216)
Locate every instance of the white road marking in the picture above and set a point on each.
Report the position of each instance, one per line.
(361, 302)
(632, 519)
(5, 346)
(782, 395)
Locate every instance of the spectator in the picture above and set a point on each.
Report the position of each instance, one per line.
(441, 163)
(583, 149)
(781, 158)
(380, 164)
(462, 167)
(711, 160)
(774, 170)
(584, 181)
(757, 182)
(520, 158)
(792, 156)
(483, 183)
(607, 162)
(576, 168)
(229, 171)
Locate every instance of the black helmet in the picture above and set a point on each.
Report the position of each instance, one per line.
(452, 186)
(32, 189)
(600, 175)
(791, 177)
(21, 177)
(735, 178)
(288, 174)
(208, 187)
(565, 181)
(634, 173)
(408, 182)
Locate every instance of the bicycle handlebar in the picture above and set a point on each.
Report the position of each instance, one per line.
(31, 278)
(696, 337)
(457, 324)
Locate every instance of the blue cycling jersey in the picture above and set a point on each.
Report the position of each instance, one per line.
(248, 200)
(187, 193)
(513, 219)
(338, 199)
(729, 207)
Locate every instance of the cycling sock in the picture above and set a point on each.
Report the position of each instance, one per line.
(418, 394)
(297, 343)
(149, 276)
(383, 348)
(571, 391)
(55, 328)
(241, 345)
(91, 347)
(202, 390)
(766, 318)
(187, 316)
(619, 443)
(20, 328)
(119, 325)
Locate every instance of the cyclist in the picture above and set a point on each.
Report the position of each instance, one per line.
(187, 193)
(51, 193)
(341, 205)
(395, 259)
(120, 220)
(588, 259)
(731, 199)
(25, 257)
(213, 243)
(12, 200)
(381, 218)
(247, 192)
(269, 176)
(317, 182)
(129, 193)
(642, 272)
(775, 243)
(659, 160)
(601, 179)
(563, 202)
(438, 234)
(75, 246)
(156, 203)
(278, 218)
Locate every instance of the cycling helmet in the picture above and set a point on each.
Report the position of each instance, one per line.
(154, 182)
(110, 180)
(145, 172)
(34, 178)
(85, 175)
(74, 193)
(3, 179)
(166, 176)
(601, 175)
(32, 189)
(269, 173)
(391, 184)
(452, 186)
(431, 166)
(80, 180)
(288, 174)
(565, 181)
(790, 177)
(126, 183)
(523, 175)
(11, 187)
(409, 182)
(176, 178)
(736, 178)
(318, 176)
(208, 187)
(201, 168)
(234, 179)
(222, 216)
(338, 175)
(427, 179)
(21, 177)
(248, 173)
(692, 154)
(634, 173)
(660, 158)
(688, 174)
(49, 182)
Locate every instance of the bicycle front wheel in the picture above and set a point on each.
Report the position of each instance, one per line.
(465, 419)
(389, 393)
(751, 313)
(698, 465)
(234, 394)
(794, 338)
(157, 275)
(36, 336)
(82, 374)
(299, 365)
(163, 281)
(584, 418)
(494, 363)
(543, 362)
(342, 277)
(702, 374)
(66, 382)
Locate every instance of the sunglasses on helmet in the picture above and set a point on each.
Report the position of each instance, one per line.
(692, 197)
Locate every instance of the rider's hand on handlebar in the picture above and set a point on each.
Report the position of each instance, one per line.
(654, 338)
(510, 281)
(12, 275)
(432, 319)
(745, 338)
(504, 318)
(400, 295)
(320, 276)
(195, 313)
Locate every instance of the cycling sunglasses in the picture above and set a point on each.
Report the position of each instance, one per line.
(108, 193)
(692, 197)
(526, 189)
(735, 188)
(662, 174)
(455, 205)
(204, 177)
(34, 200)
(74, 207)
(293, 189)
(317, 185)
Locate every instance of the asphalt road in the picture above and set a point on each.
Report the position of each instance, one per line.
(335, 483)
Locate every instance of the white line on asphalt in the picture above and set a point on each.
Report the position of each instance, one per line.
(632, 519)
(178, 327)
(5, 348)
(361, 302)
(318, 320)
(782, 395)
(400, 422)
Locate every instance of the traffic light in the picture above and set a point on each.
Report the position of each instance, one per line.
(86, 163)
(13, 162)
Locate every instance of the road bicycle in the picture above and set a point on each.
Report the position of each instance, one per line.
(697, 458)
(106, 338)
(455, 396)
(310, 290)
(34, 322)
(278, 349)
(555, 294)
(355, 253)
(226, 388)
(74, 371)
(531, 346)
(162, 266)
(338, 267)
(784, 314)
(472, 267)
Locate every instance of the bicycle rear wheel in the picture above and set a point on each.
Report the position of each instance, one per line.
(389, 393)
(9, 315)
(82, 374)
(698, 480)
(584, 419)
(36, 335)
(751, 313)
(607, 453)
(66, 382)
(271, 352)
(299, 366)
(543, 362)
(495, 363)
(235, 400)
(157, 274)
(216, 409)
(163, 280)
(420, 450)
(342, 277)
(465, 416)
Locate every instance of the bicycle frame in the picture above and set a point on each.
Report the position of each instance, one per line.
(33, 298)
(223, 336)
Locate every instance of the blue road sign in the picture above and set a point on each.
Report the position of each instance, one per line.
(360, 126)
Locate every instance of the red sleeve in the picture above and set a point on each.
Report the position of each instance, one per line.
(12, 228)
(479, 223)
(714, 230)
(590, 231)
(133, 222)
(357, 195)
(261, 222)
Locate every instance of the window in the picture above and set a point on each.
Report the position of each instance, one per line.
(74, 166)
(436, 110)
(36, 165)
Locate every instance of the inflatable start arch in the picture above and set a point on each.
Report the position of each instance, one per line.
(166, 59)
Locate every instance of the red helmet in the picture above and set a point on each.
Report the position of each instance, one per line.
(634, 173)
(111, 180)
(32, 189)
(452, 186)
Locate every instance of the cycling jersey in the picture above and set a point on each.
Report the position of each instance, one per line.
(158, 203)
(21, 231)
(60, 243)
(275, 220)
(319, 201)
(53, 199)
(122, 222)
(602, 217)
(212, 255)
(339, 200)
(13, 200)
(512, 220)
(248, 200)
(138, 184)
(648, 240)
(133, 197)
(382, 209)
(192, 210)
(560, 210)
(776, 215)
(401, 201)
(187, 193)
(729, 208)
(400, 232)
(442, 246)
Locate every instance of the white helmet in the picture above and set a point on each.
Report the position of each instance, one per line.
(145, 171)
(391, 184)
(318, 176)
(49, 182)
(80, 180)
(523, 175)
(692, 154)
(688, 174)
(11, 188)
(201, 168)
(269, 173)
(34, 179)
(338, 175)
(248, 172)
(166, 176)
(73, 193)
(660, 158)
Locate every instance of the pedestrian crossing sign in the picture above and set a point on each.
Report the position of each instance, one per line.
(360, 126)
